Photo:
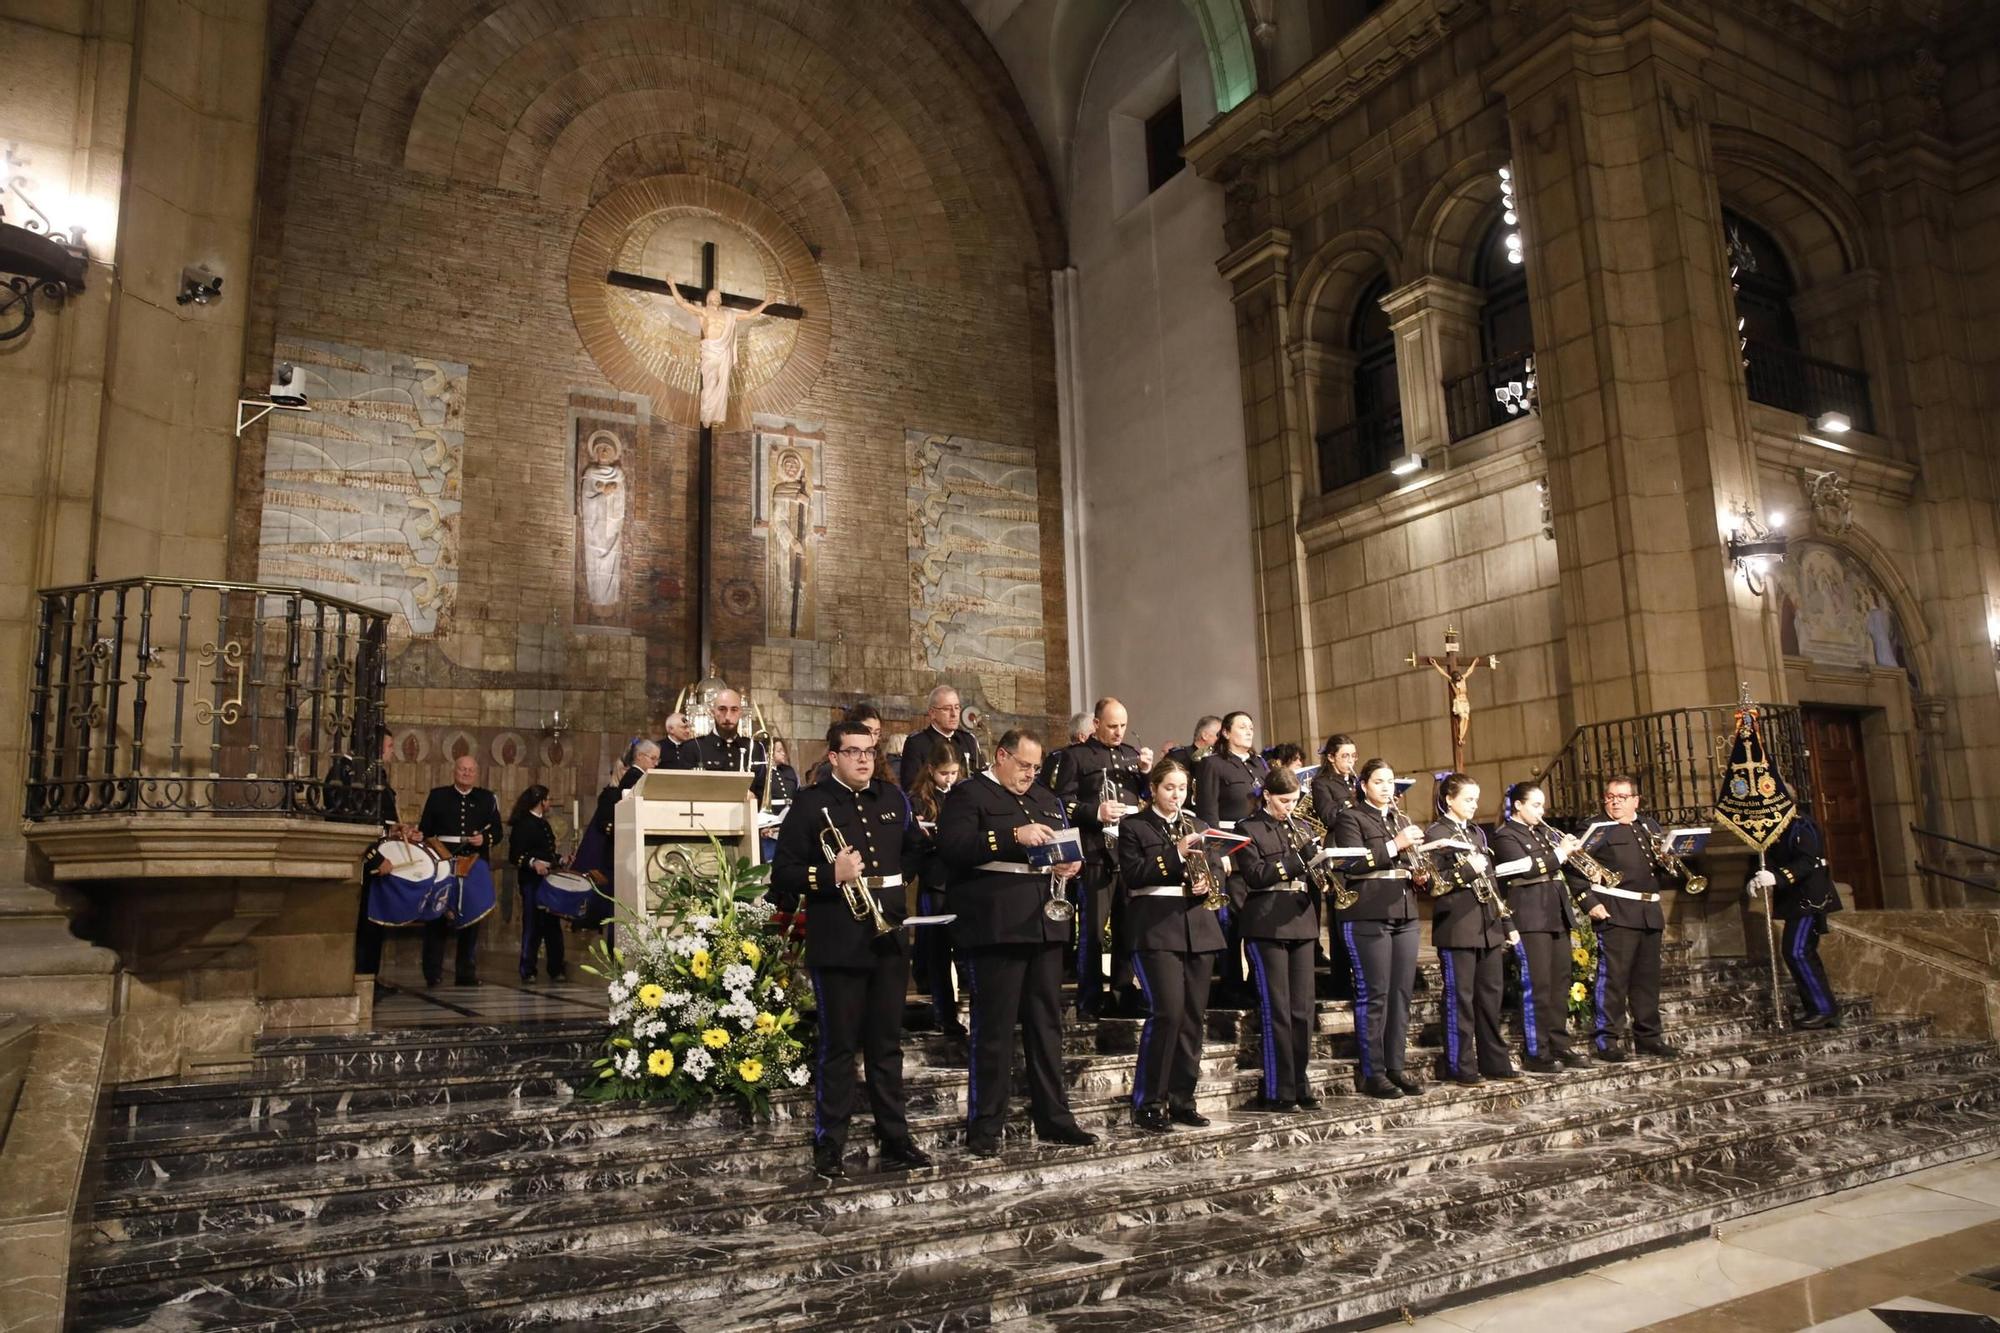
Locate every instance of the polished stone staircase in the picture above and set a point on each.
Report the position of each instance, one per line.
(446, 1178)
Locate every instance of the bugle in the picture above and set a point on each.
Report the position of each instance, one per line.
(859, 900)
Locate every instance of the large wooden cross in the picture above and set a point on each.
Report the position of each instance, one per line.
(1456, 699)
(705, 458)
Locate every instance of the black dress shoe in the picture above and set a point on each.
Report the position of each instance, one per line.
(1187, 1115)
(1411, 1085)
(1611, 1055)
(1818, 1021)
(558, 978)
(826, 1161)
(1379, 1086)
(1574, 1060)
(1542, 1065)
(1273, 1105)
(429, 982)
(466, 981)
(1068, 1135)
(1307, 1102)
(955, 1030)
(1152, 1119)
(1467, 1080)
(903, 1155)
(1662, 1049)
(1502, 1076)
(988, 1148)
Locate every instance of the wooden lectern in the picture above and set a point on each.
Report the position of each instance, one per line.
(676, 811)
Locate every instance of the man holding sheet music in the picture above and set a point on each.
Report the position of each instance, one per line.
(1629, 924)
(1003, 837)
(1100, 782)
(859, 976)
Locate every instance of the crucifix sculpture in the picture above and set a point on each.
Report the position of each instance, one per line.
(1460, 702)
(718, 313)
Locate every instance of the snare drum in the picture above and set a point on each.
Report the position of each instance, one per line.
(409, 884)
(472, 895)
(566, 894)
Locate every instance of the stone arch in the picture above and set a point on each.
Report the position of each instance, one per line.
(1880, 564)
(1232, 59)
(1810, 215)
(1448, 226)
(1323, 297)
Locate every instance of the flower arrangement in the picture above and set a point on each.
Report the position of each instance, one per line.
(704, 999)
(1583, 973)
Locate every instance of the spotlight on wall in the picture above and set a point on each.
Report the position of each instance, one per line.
(1409, 465)
(1519, 396)
(1510, 214)
(1755, 548)
(198, 286)
(1832, 423)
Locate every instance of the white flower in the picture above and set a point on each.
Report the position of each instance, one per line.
(630, 979)
(774, 992)
(621, 1011)
(738, 977)
(696, 1063)
(757, 912)
(797, 1075)
(701, 925)
(676, 999)
(628, 1063)
(620, 992)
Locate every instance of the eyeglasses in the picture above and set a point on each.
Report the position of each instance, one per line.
(856, 751)
(1621, 796)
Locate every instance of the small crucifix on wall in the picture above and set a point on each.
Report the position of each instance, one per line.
(1460, 702)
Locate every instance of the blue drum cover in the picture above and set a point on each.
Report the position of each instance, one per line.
(407, 902)
(472, 896)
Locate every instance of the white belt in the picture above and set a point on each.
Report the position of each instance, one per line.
(1286, 886)
(1379, 874)
(1111, 829)
(1226, 824)
(1635, 895)
(1160, 891)
(881, 881)
(1011, 868)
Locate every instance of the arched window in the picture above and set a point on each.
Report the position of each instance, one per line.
(1374, 438)
(1776, 370)
(1763, 282)
(1506, 338)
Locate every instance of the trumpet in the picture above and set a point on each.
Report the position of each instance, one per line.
(859, 900)
(1202, 881)
(1322, 876)
(1673, 865)
(1423, 870)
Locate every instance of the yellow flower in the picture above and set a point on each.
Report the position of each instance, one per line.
(714, 1038)
(660, 1063)
(750, 1070)
(651, 996)
(1582, 957)
(699, 965)
(752, 954)
(767, 1023)
(1576, 991)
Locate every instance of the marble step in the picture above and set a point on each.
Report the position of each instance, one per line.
(558, 1073)
(711, 1214)
(170, 1152)
(1133, 1232)
(240, 1200)
(1315, 1259)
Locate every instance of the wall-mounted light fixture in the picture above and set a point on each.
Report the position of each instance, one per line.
(1756, 547)
(1510, 214)
(1519, 396)
(555, 725)
(198, 286)
(1832, 423)
(1409, 465)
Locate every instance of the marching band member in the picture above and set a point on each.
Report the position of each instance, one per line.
(1379, 932)
(531, 848)
(1206, 730)
(1471, 937)
(1015, 948)
(1280, 928)
(1540, 900)
(679, 735)
(1081, 726)
(1225, 792)
(727, 749)
(367, 933)
(594, 845)
(1285, 754)
(1335, 787)
(927, 795)
(469, 814)
(1797, 877)
(944, 731)
(1175, 938)
(784, 778)
(1099, 778)
(859, 974)
(1629, 928)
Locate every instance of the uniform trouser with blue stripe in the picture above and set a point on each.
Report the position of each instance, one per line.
(1094, 908)
(1015, 983)
(1383, 955)
(1627, 983)
(1469, 1010)
(934, 944)
(860, 1013)
(1175, 985)
(1283, 973)
(1546, 969)
(540, 931)
(1802, 958)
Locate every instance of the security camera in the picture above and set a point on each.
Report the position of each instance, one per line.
(199, 286)
(288, 388)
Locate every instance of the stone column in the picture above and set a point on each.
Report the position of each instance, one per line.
(1642, 401)
(1436, 324)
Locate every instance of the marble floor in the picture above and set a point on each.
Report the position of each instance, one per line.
(1919, 1254)
(501, 997)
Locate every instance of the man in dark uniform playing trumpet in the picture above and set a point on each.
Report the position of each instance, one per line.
(1629, 926)
(1099, 781)
(1015, 947)
(860, 965)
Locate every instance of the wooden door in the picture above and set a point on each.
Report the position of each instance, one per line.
(1841, 801)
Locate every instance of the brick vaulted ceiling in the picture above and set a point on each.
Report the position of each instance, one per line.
(886, 132)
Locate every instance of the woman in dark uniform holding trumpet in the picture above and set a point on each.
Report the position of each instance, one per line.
(1273, 890)
(1172, 896)
(1471, 931)
(1539, 896)
(1378, 928)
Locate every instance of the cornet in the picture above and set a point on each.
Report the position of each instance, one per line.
(1673, 865)
(855, 891)
(1202, 881)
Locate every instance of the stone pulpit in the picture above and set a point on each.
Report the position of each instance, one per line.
(674, 812)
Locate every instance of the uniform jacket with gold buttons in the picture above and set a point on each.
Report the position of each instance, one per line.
(876, 822)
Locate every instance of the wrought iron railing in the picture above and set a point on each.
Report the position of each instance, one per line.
(1970, 864)
(1794, 382)
(1363, 447)
(1469, 402)
(190, 697)
(1678, 757)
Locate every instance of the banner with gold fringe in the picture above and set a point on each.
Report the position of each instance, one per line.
(1753, 801)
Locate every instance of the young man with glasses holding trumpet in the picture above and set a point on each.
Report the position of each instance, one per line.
(844, 845)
